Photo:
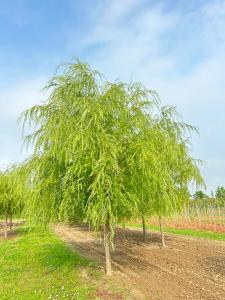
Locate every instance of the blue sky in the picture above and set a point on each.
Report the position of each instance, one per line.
(176, 47)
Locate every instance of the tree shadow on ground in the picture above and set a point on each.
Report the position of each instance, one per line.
(215, 265)
(126, 244)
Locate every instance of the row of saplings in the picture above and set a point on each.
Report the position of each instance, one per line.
(104, 153)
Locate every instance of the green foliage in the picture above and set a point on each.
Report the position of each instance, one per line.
(199, 195)
(12, 192)
(220, 193)
(164, 169)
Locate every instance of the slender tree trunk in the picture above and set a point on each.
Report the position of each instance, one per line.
(108, 264)
(143, 227)
(161, 232)
(10, 228)
(6, 223)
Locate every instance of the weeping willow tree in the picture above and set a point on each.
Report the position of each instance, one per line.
(11, 195)
(4, 199)
(102, 154)
(162, 168)
(176, 170)
(82, 155)
(143, 171)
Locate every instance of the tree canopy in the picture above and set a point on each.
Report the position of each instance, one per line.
(220, 192)
(200, 195)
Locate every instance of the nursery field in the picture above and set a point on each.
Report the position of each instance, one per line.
(188, 268)
(69, 264)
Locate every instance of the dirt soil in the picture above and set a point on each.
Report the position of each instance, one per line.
(11, 233)
(187, 268)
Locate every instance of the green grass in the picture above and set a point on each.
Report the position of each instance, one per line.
(38, 265)
(195, 233)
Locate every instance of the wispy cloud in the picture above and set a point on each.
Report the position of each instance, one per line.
(13, 100)
(125, 39)
(20, 96)
(180, 53)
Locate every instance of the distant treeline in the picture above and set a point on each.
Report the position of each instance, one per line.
(202, 200)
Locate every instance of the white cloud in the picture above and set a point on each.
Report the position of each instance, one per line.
(20, 96)
(4, 164)
(128, 41)
(13, 100)
(214, 171)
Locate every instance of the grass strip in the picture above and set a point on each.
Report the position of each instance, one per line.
(218, 236)
(38, 265)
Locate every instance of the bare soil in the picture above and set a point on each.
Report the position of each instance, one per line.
(188, 268)
(11, 233)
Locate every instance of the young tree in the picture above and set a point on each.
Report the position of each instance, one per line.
(162, 168)
(11, 195)
(3, 199)
(178, 169)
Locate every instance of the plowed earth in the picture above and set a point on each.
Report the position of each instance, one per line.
(187, 268)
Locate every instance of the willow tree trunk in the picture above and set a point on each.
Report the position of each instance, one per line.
(161, 232)
(6, 223)
(143, 227)
(10, 224)
(108, 263)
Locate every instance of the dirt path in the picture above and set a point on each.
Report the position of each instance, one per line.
(187, 269)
